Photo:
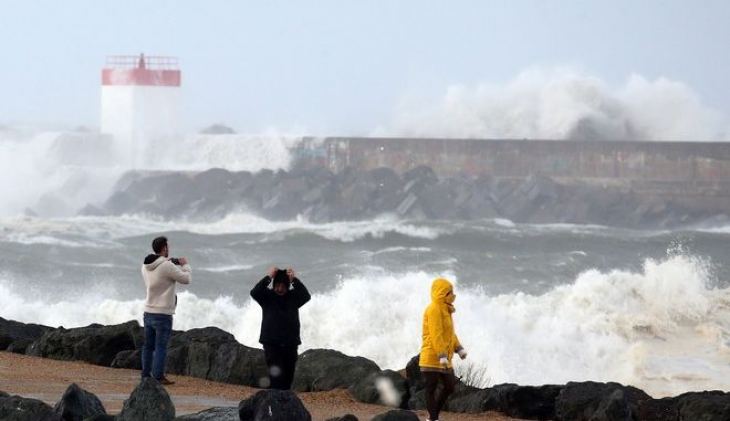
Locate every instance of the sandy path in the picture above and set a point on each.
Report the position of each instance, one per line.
(47, 379)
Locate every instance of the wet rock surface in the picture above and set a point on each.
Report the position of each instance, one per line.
(322, 196)
(214, 354)
(326, 369)
(273, 405)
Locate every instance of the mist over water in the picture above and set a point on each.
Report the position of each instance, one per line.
(536, 303)
(563, 103)
(58, 173)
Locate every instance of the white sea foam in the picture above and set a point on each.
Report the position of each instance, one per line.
(399, 249)
(234, 152)
(665, 329)
(85, 230)
(721, 229)
(504, 222)
(57, 173)
(227, 268)
(346, 231)
(563, 103)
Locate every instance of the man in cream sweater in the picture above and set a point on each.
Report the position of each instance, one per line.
(160, 274)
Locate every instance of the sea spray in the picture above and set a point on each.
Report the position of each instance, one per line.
(562, 103)
(58, 173)
(664, 329)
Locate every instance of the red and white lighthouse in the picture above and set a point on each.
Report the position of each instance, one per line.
(140, 101)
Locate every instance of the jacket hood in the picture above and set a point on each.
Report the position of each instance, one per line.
(439, 289)
(153, 260)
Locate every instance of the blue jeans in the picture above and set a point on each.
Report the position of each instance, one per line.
(157, 330)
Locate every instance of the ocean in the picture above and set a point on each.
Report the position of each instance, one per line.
(535, 304)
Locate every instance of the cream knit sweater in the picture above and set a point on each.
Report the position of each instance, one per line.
(160, 277)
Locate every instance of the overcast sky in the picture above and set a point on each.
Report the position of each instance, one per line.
(341, 67)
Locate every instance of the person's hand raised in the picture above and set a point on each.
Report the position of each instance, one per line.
(290, 273)
(272, 272)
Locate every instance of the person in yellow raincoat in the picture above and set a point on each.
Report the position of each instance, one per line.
(439, 345)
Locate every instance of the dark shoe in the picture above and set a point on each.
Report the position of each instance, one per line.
(165, 381)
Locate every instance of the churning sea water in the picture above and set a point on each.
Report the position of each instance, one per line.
(535, 303)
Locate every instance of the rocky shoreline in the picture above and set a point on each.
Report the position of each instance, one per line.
(319, 195)
(210, 353)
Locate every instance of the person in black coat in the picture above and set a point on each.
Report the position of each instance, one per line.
(280, 323)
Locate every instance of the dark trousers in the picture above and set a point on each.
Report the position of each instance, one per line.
(157, 330)
(281, 360)
(432, 379)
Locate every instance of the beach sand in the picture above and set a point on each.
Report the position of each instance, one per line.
(47, 379)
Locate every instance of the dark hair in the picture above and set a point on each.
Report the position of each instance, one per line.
(158, 244)
(281, 277)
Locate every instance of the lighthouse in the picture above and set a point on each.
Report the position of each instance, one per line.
(140, 101)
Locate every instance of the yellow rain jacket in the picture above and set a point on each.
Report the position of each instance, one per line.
(439, 338)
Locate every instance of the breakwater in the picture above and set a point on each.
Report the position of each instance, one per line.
(691, 174)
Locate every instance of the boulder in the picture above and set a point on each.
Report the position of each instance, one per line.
(207, 353)
(17, 336)
(355, 193)
(346, 417)
(285, 200)
(422, 175)
(524, 402)
(211, 353)
(217, 128)
(416, 385)
(101, 417)
(664, 409)
(437, 201)
(212, 414)
(479, 203)
(413, 374)
(704, 406)
(528, 402)
(119, 203)
(223, 188)
(387, 194)
(149, 401)
(95, 344)
(131, 359)
(16, 408)
(193, 351)
(167, 194)
(614, 407)
(262, 184)
(464, 399)
(91, 210)
(533, 194)
(592, 401)
(77, 404)
(238, 364)
(20, 346)
(396, 415)
(408, 206)
(385, 388)
(273, 405)
(326, 369)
